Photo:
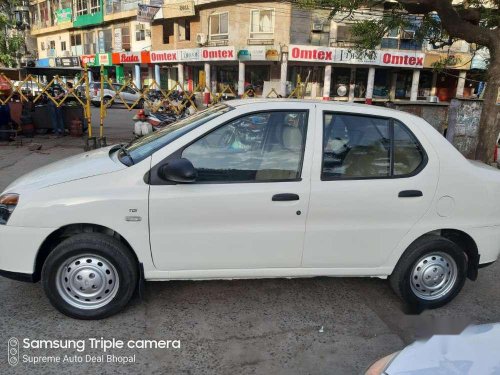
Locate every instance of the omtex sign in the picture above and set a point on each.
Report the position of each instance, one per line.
(309, 53)
(194, 54)
(403, 59)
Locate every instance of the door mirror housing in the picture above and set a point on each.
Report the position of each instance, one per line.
(178, 170)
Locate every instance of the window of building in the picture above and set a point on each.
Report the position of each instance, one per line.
(52, 44)
(42, 46)
(262, 23)
(391, 39)
(108, 39)
(44, 13)
(76, 44)
(167, 30)
(89, 46)
(81, 7)
(95, 6)
(63, 46)
(265, 146)
(126, 38)
(140, 32)
(219, 26)
(184, 29)
(357, 146)
(344, 33)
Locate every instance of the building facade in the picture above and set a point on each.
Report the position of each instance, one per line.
(253, 48)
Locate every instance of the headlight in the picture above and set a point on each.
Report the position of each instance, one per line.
(379, 367)
(7, 204)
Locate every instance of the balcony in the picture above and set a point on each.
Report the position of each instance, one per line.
(217, 43)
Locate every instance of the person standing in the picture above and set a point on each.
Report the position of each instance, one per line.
(56, 113)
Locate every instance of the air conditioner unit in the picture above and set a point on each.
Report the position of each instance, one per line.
(317, 27)
(407, 34)
(201, 38)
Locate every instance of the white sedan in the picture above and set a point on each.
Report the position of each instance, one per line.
(255, 189)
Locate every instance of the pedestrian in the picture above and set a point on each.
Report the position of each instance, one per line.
(55, 112)
(5, 119)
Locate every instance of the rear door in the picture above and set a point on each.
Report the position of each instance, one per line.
(372, 181)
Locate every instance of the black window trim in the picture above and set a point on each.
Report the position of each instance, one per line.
(392, 121)
(152, 177)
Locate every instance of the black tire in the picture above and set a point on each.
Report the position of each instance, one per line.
(401, 278)
(96, 104)
(105, 247)
(106, 100)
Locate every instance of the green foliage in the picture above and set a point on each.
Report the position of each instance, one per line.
(11, 43)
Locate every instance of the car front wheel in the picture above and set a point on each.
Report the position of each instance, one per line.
(431, 272)
(90, 276)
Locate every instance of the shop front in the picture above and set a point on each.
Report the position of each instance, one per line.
(312, 66)
(259, 71)
(132, 66)
(214, 67)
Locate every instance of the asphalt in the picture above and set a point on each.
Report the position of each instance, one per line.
(272, 326)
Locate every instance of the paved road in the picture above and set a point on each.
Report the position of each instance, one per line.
(302, 326)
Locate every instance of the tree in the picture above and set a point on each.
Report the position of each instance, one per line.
(11, 41)
(441, 22)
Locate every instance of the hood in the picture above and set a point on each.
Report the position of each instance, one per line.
(474, 351)
(92, 163)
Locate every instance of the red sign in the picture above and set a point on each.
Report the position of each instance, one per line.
(311, 53)
(415, 60)
(217, 54)
(87, 59)
(126, 58)
(164, 56)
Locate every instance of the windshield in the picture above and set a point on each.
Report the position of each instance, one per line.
(143, 147)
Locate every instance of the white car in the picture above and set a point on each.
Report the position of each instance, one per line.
(255, 189)
(126, 95)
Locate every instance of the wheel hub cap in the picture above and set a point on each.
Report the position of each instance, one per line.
(87, 282)
(433, 276)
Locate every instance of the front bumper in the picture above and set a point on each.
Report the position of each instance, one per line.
(18, 250)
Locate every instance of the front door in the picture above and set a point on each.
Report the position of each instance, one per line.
(371, 183)
(247, 208)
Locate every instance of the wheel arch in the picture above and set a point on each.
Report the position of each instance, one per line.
(460, 238)
(64, 232)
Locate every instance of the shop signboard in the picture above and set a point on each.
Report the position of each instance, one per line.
(146, 13)
(178, 9)
(352, 56)
(117, 33)
(272, 55)
(87, 59)
(190, 54)
(63, 15)
(311, 53)
(402, 59)
(101, 42)
(42, 63)
(244, 55)
(67, 62)
(164, 56)
(218, 54)
(119, 58)
(460, 61)
(103, 59)
(186, 55)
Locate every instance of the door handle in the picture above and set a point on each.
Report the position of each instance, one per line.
(285, 197)
(410, 194)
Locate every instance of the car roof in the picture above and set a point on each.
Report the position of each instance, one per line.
(332, 105)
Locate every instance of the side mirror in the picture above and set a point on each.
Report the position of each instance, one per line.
(178, 170)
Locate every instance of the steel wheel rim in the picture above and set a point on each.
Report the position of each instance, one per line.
(87, 281)
(433, 276)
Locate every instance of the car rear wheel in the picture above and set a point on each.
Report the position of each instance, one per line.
(431, 272)
(90, 276)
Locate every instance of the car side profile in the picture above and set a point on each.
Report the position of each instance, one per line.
(256, 189)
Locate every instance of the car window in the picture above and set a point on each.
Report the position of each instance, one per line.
(267, 146)
(408, 154)
(360, 146)
(145, 146)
